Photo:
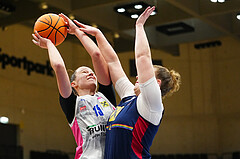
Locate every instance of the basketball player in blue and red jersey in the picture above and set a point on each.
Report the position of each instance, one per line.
(86, 110)
(132, 126)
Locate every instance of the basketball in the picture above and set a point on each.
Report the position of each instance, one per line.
(51, 26)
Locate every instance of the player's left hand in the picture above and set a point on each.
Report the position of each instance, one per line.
(144, 16)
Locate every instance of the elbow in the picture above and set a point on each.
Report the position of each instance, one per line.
(143, 59)
(143, 55)
(57, 66)
(96, 55)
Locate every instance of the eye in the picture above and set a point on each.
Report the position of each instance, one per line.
(84, 72)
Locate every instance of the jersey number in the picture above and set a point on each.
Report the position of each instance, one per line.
(115, 113)
(98, 110)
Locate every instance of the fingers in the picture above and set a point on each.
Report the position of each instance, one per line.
(83, 29)
(34, 37)
(145, 15)
(62, 15)
(65, 18)
(80, 24)
(35, 42)
(37, 35)
(148, 11)
(151, 10)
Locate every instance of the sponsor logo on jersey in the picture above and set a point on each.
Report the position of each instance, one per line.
(97, 129)
(115, 113)
(83, 108)
(103, 102)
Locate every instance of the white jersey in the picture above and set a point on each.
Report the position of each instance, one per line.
(89, 125)
(149, 102)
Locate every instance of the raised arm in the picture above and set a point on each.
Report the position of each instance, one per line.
(110, 56)
(143, 58)
(99, 64)
(149, 103)
(57, 64)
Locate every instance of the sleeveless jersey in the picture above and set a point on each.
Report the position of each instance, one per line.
(89, 125)
(129, 136)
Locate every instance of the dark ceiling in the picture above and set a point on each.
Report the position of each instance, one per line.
(176, 21)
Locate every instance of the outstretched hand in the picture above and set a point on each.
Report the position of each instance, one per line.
(144, 16)
(40, 41)
(71, 26)
(87, 29)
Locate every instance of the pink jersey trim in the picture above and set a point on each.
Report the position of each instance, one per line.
(138, 133)
(78, 138)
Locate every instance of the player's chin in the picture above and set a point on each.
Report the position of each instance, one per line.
(92, 80)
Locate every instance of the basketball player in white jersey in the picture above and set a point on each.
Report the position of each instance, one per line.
(86, 110)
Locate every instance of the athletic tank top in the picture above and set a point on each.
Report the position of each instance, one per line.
(89, 125)
(129, 136)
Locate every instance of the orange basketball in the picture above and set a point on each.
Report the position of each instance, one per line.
(51, 26)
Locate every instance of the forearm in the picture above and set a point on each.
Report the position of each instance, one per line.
(99, 64)
(141, 43)
(87, 43)
(106, 49)
(144, 65)
(58, 66)
(55, 58)
(107, 55)
(111, 58)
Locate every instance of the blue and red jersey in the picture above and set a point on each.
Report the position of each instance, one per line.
(128, 135)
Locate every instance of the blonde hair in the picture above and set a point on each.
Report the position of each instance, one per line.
(170, 80)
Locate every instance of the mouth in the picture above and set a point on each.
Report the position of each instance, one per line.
(91, 78)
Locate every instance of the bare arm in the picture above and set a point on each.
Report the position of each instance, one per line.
(149, 103)
(57, 64)
(99, 64)
(110, 56)
(142, 50)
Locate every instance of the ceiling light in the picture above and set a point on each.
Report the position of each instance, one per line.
(4, 120)
(44, 5)
(238, 16)
(134, 16)
(153, 13)
(116, 35)
(133, 10)
(214, 1)
(138, 6)
(94, 25)
(71, 16)
(120, 10)
(221, 1)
